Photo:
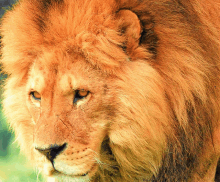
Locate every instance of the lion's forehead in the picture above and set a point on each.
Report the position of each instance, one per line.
(41, 80)
(64, 79)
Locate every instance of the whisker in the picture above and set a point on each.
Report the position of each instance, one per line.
(38, 173)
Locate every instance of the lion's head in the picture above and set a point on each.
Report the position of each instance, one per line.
(114, 90)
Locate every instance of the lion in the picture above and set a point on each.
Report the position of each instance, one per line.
(115, 90)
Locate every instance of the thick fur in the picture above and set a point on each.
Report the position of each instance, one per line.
(152, 69)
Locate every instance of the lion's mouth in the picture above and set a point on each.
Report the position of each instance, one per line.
(58, 173)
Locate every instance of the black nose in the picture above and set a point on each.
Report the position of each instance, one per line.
(52, 151)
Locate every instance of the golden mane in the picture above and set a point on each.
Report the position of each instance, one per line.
(157, 62)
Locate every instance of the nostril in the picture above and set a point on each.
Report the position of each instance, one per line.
(52, 151)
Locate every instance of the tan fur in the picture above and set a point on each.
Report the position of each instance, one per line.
(152, 71)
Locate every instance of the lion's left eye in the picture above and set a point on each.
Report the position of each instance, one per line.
(35, 95)
(80, 94)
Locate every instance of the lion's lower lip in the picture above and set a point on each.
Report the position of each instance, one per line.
(56, 172)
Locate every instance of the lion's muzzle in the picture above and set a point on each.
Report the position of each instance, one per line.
(68, 161)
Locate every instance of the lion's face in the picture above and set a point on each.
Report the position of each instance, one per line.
(75, 108)
(69, 108)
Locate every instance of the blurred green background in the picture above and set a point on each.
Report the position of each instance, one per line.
(13, 166)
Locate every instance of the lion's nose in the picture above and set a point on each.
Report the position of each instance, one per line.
(52, 151)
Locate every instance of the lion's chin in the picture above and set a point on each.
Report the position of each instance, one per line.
(62, 172)
(63, 178)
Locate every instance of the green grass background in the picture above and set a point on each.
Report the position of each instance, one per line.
(13, 166)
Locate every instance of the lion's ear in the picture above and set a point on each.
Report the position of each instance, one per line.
(130, 27)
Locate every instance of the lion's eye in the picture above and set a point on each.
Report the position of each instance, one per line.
(80, 94)
(35, 95)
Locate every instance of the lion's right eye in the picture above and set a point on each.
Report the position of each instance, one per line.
(80, 94)
(35, 95)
